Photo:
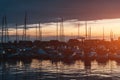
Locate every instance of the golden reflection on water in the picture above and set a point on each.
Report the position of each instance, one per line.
(76, 69)
(79, 66)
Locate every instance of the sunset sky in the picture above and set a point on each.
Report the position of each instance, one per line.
(99, 14)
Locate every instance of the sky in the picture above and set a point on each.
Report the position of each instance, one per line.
(49, 10)
(98, 13)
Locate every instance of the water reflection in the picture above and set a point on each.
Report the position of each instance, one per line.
(33, 69)
(87, 65)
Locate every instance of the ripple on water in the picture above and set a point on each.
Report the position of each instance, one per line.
(47, 70)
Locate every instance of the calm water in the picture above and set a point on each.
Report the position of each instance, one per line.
(62, 70)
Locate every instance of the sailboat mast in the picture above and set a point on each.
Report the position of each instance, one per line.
(40, 32)
(36, 31)
(86, 29)
(57, 30)
(62, 31)
(16, 33)
(90, 32)
(111, 35)
(103, 33)
(24, 28)
(2, 29)
(6, 30)
(78, 30)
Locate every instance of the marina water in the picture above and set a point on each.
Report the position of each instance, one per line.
(35, 69)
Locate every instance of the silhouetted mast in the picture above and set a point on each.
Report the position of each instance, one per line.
(78, 30)
(5, 36)
(103, 34)
(61, 31)
(24, 29)
(16, 34)
(57, 30)
(2, 29)
(36, 32)
(5, 29)
(111, 35)
(86, 29)
(28, 35)
(90, 32)
(40, 33)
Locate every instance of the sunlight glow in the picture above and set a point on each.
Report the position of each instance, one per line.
(71, 28)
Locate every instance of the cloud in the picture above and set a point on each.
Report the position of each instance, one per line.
(49, 10)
